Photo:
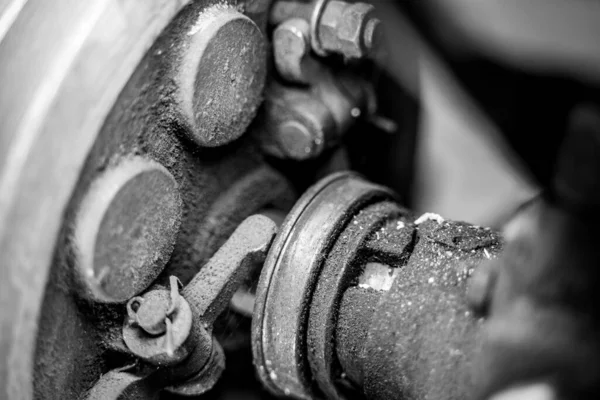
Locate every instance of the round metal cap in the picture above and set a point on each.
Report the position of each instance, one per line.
(125, 230)
(222, 75)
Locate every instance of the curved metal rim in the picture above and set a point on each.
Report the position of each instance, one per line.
(67, 85)
(286, 283)
(314, 27)
(268, 272)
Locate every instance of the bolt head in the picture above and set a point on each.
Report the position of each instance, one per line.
(349, 29)
(296, 140)
(298, 123)
(290, 48)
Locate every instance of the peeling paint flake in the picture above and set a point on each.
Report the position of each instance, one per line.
(429, 216)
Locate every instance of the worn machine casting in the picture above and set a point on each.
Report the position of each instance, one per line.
(178, 216)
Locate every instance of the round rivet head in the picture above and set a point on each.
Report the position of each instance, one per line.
(164, 347)
(297, 140)
(149, 313)
(125, 230)
(222, 75)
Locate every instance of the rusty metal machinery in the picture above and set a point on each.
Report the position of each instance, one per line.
(177, 213)
(138, 138)
(360, 298)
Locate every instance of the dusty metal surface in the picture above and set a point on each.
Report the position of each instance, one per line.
(260, 188)
(423, 335)
(221, 75)
(342, 265)
(352, 330)
(137, 203)
(211, 289)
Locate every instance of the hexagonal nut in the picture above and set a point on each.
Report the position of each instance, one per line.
(299, 124)
(348, 29)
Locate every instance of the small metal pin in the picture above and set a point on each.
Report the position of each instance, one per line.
(169, 341)
(175, 284)
(132, 309)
